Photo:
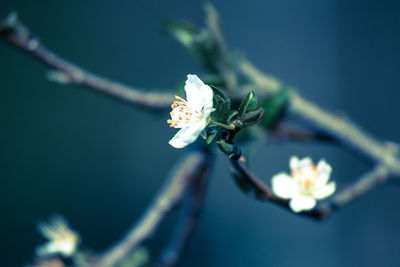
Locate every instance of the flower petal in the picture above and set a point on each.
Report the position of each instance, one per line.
(284, 186)
(325, 191)
(199, 95)
(187, 135)
(324, 170)
(301, 202)
(296, 163)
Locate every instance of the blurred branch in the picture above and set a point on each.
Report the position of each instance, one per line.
(194, 164)
(213, 25)
(286, 132)
(16, 34)
(184, 229)
(339, 128)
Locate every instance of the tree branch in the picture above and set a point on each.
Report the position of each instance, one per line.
(339, 128)
(287, 132)
(16, 34)
(184, 229)
(194, 164)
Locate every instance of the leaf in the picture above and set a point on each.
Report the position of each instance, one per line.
(232, 116)
(221, 104)
(213, 80)
(218, 92)
(211, 133)
(183, 32)
(201, 44)
(274, 107)
(248, 103)
(223, 111)
(229, 149)
(252, 117)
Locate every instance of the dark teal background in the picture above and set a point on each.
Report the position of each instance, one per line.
(99, 162)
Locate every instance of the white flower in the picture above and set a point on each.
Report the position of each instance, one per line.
(62, 240)
(191, 115)
(306, 185)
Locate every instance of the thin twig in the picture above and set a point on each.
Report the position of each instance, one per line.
(16, 34)
(212, 22)
(194, 164)
(188, 222)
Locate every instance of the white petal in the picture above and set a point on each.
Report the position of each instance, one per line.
(325, 191)
(301, 202)
(305, 162)
(198, 94)
(294, 162)
(324, 167)
(284, 186)
(187, 135)
(324, 170)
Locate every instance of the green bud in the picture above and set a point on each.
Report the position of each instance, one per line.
(252, 117)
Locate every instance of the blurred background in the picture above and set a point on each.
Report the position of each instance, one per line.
(100, 162)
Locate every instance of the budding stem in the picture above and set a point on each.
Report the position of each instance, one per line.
(225, 126)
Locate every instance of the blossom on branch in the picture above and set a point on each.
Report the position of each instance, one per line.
(62, 239)
(191, 115)
(306, 184)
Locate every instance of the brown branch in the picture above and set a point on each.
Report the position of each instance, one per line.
(367, 182)
(193, 165)
(15, 33)
(184, 229)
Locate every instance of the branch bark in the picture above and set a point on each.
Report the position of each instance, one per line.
(15, 33)
(194, 164)
(185, 228)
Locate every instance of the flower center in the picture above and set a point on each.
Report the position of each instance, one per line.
(306, 177)
(182, 114)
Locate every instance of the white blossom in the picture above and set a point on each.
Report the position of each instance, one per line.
(191, 115)
(306, 184)
(61, 238)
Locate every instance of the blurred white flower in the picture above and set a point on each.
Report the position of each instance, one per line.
(191, 115)
(62, 239)
(305, 185)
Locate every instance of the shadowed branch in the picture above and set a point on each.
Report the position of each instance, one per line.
(65, 72)
(185, 228)
(193, 166)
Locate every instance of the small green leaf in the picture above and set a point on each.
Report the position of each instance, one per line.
(229, 149)
(201, 44)
(274, 107)
(218, 92)
(214, 80)
(252, 117)
(183, 32)
(248, 103)
(223, 111)
(232, 116)
(211, 133)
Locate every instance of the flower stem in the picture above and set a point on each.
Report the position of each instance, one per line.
(225, 126)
